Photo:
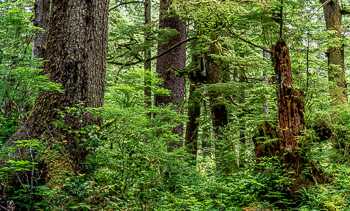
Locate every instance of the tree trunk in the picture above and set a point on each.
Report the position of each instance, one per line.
(194, 109)
(76, 53)
(168, 63)
(241, 100)
(266, 81)
(147, 64)
(41, 19)
(217, 106)
(336, 66)
(290, 112)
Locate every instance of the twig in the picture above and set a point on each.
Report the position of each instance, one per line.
(4, 208)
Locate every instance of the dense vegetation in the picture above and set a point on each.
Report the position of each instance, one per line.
(198, 105)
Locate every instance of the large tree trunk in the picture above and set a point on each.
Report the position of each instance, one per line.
(168, 63)
(217, 106)
(194, 109)
(336, 66)
(41, 19)
(290, 112)
(76, 53)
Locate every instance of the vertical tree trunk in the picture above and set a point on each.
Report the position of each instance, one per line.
(217, 106)
(194, 109)
(76, 53)
(41, 19)
(336, 66)
(266, 81)
(148, 64)
(168, 63)
(290, 112)
(241, 100)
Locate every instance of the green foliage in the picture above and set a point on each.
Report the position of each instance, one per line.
(21, 170)
(340, 131)
(128, 164)
(19, 73)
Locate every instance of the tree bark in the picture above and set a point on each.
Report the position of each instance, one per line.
(194, 109)
(147, 64)
(336, 66)
(41, 19)
(266, 81)
(290, 112)
(217, 106)
(76, 53)
(168, 63)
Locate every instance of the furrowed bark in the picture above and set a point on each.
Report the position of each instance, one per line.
(168, 63)
(76, 53)
(41, 19)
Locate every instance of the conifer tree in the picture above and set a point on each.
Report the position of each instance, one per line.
(168, 64)
(76, 52)
(335, 53)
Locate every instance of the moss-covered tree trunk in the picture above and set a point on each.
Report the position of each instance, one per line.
(76, 52)
(217, 106)
(147, 64)
(336, 66)
(194, 109)
(290, 112)
(266, 81)
(168, 63)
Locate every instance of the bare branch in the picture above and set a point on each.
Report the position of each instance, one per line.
(4, 208)
(124, 3)
(154, 57)
(247, 41)
(345, 12)
(239, 106)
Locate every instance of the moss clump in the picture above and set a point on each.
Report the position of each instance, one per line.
(57, 168)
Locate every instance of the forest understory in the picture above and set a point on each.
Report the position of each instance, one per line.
(174, 105)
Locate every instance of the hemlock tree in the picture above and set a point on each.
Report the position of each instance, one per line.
(41, 19)
(336, 66)
(168, 63)
(76, 52)
(194, 108)
(148, 63)
(217, 104)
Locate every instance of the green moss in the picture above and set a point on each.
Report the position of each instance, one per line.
(57, 168)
